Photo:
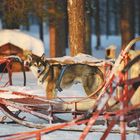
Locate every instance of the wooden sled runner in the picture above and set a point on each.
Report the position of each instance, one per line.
(119, 112)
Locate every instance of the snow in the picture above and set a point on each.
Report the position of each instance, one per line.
(80, 59)
(66, 135)
(22, 40)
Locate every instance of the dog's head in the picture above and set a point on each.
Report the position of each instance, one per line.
(36, 64)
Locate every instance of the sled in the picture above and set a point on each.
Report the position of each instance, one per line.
(121, 112)
(6, 67)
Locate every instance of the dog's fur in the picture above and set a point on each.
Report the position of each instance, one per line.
(91, 77)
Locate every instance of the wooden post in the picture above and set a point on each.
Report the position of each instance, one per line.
(110, 52)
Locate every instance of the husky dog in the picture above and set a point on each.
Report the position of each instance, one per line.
(57, 76)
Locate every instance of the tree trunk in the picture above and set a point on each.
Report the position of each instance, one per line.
(57, 29)
(62, 31)
(107, 18)
(116, 17)
(127, 21)
(97, 22)
(53, 46)
(88, 34)
(76, 21)
(57, 47)
(41, 33)
(88, 24)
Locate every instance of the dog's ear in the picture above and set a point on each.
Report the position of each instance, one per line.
(43, 57)
(29, 57)
(26, 53)
(28, 60)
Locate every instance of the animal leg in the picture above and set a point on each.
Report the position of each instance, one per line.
(50, 90)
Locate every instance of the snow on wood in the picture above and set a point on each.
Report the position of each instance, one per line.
(22, 40)
(81, 59)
